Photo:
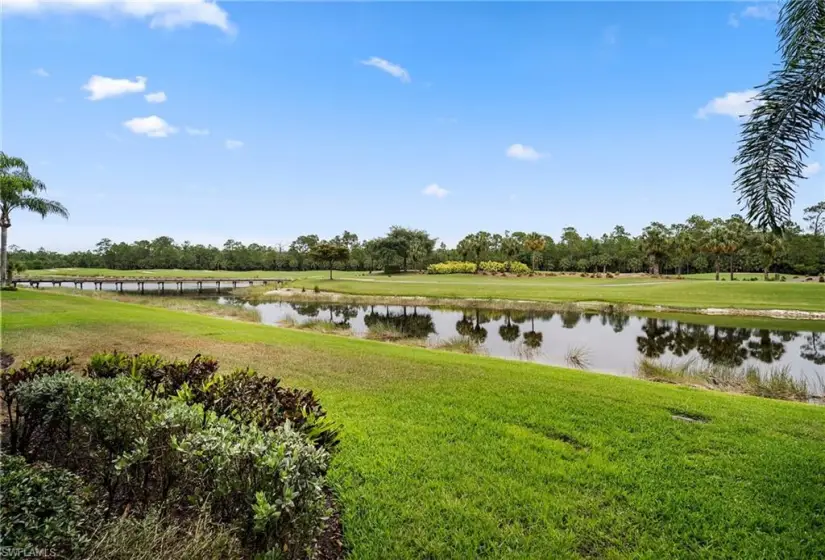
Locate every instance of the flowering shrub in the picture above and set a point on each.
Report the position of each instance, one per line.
(452, 267)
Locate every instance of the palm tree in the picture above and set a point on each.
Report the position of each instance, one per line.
(655, 242)
(770, 246)
(779, 133)
(18, 189)
(535, 243)
(717, 242)
(737, 234)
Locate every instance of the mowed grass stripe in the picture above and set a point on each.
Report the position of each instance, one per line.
(453, 456)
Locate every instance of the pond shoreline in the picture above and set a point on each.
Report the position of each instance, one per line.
(334, 297)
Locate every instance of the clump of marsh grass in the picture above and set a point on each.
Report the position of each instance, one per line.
(289, 322)
(385, 333)
(462, 344)
(525, 352)
(323, 325)
(773, 383)
(577, 357)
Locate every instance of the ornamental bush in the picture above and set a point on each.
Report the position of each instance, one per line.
(140, 435)
(517, 267)
(452, 267)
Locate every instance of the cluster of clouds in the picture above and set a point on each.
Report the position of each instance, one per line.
(99, 88)
(168, 14)
(766, 11)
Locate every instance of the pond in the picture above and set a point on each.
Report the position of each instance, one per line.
(610, 342)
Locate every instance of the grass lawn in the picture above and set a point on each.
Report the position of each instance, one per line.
(454, 456)
(632, 290)
(760, 276)
(627, 289)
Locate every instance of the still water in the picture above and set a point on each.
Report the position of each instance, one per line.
(609, 342)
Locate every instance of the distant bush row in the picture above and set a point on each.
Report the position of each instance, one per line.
(133, 449)
(464, 267)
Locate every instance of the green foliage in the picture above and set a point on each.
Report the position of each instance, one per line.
(18, 433)
(137, 451)
(784, 125)
(250, 398)
(452, 267)
(43, 508)
(492, 266)
(516, 267)
(392, 269)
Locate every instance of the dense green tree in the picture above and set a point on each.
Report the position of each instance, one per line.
(327, 252)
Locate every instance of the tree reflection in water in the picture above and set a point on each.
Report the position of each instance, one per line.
(410, 325)
(725, 346)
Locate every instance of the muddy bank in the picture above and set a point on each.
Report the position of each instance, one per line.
(332, 297)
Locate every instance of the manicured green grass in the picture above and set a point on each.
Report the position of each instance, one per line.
(453, 456)
(743, 276)
(639, 291)
(809, 296)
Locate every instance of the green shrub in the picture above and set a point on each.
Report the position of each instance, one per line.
(392, 269)
(139, 451)
(250, 398)
(452, 267)
(492, 266)
(517, 267)
(43, 509)
(17, 435)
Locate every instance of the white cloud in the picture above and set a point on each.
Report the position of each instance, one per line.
(766, 11)
(734, 104)
(40, 72)
(769, 11)
(524, 153)
(388, 67)
(157, 97)
(160, 13)
(435, 190)
(191, 131)
(812, 169)
(233, 144)
(101, 87)
(154, 127)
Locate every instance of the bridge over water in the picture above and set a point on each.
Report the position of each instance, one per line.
(138, 283)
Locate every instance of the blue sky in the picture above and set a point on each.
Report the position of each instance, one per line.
(325, 117)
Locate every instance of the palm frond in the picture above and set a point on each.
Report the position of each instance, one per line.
(10, 164)
(800, 22)
(778, 136)
(43, 206)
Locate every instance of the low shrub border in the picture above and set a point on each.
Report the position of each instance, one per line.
(233, 459)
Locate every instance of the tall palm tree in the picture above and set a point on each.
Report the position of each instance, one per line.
(780, 132)
(535, 243)
(655, 243)
(18, 189)
(770, 246)
(717, 242)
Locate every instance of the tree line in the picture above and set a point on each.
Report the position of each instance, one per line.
(696, 245)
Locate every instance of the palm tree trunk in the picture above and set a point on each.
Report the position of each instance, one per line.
(717, 267)
(767, 272)
(4, 256)
(731, 268)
